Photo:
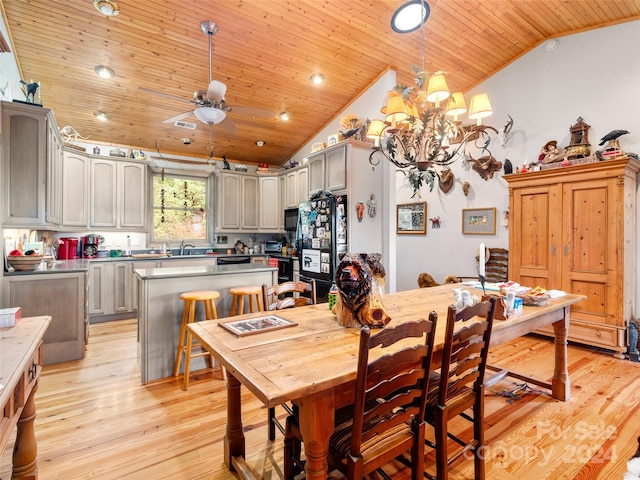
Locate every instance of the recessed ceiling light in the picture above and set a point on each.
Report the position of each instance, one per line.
(407, 18)
(100, 115)
(284, 116)
(261, 143)
(104, 71)
(317, 78)
(107, 7)
(552, 45)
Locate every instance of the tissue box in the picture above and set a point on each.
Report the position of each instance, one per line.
(10, 317)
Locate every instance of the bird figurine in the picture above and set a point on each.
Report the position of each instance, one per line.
(612, 136)
(612, 148)
(225, 163)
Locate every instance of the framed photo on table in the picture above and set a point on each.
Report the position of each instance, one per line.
(411, 218)
(333, 139)
(479, 221)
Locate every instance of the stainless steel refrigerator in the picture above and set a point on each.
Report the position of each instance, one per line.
(321, 239)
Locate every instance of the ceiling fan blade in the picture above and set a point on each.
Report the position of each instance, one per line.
(179, 117)
(228, 124)
(162, 94)
(216, 91)
(253, 112)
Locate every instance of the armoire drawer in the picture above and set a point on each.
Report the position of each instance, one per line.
(611, 338)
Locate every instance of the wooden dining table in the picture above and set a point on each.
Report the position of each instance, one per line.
(313, 362)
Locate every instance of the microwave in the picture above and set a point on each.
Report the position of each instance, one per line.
(290, 219)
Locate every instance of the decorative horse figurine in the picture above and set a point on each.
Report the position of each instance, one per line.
(30, 90)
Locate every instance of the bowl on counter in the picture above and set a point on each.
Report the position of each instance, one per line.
(25, 263)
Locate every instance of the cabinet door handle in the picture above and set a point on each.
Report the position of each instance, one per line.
(33, 371)
(553, 249)
(566, 250)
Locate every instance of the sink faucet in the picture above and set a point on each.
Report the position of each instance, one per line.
(185, 245)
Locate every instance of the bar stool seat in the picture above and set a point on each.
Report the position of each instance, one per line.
(190, 300)
(238, 295)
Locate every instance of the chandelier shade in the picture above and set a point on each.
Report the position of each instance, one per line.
(480, 107)
(437, 89)
(396, 110)
(456, 105)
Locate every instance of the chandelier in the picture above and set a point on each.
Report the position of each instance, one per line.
(421, 133)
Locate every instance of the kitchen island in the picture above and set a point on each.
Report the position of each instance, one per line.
(160, 307)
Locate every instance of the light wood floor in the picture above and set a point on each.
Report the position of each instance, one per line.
(95, 420)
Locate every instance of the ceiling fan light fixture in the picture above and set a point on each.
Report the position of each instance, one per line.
(209, 115)
(284, 116)
(107, 7)
(104, 71)
(102, 116)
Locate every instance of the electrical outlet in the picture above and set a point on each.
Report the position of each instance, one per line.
(135, 242)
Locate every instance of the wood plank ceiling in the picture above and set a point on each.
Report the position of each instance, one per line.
(265, 52)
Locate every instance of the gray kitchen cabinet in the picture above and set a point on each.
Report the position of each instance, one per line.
(237, 202)
(270, 206)
(117, 194)
(110, 287)
(60, 295)
(328, 169)
(53, 210)
(260, 260)
(282, 194)
(32, 166)
(297, 186)
(75, 189)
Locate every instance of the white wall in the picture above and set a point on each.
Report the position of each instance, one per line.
(594, 75)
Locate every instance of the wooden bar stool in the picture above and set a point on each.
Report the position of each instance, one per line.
(190, 300)
(237, 299)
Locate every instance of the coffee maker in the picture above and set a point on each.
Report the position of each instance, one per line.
(67, 248)
(89, 246)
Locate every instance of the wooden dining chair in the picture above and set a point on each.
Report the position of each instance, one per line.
(387, 416)
(278, 297)
(458, 389)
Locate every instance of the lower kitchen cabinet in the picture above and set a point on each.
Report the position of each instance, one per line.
(63, 297)
(110, 288)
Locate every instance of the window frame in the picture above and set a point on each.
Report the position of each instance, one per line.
(207, 241)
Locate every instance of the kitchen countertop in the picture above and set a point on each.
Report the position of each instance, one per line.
(82, 264)
(197, 271)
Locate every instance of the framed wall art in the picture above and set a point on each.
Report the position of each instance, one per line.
(479, 221)
(411, 218)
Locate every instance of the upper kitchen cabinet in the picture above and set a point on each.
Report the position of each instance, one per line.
(32, 176)
(117, 194)
(270, 206)
(296, 186)
(75, 189)
(237, 202)
(329, 168)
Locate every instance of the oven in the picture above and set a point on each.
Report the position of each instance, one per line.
(285, 268)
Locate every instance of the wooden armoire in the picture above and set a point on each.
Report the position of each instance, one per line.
(574, 229)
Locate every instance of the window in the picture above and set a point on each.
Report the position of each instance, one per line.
(179, 208)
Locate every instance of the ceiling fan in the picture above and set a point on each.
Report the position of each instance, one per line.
(210, 105)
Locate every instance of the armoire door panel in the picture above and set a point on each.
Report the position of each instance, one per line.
(589, 218)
